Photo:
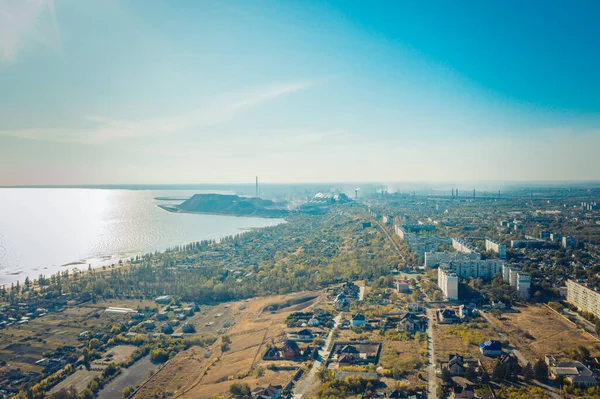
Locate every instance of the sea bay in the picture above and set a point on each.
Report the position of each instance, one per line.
(45, 230)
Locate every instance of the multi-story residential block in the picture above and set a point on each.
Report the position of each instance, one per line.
(500, 249)
(448, 283)
(517, 279)
(433, 259)
(555, 237)
(485, 269)
(462, 246)
(583, 297)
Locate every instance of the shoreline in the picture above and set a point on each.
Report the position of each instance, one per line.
(174, 209)
(98, 262)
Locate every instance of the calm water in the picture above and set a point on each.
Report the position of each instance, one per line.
(42, 230)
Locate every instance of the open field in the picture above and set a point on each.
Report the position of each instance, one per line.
(537, 331)
(251, 327)
(82, 377)
(128, 377)
(79, 380)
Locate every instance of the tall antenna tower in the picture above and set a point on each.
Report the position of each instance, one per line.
(257, 186)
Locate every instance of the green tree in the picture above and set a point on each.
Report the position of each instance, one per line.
(127, 391)
(240, 390)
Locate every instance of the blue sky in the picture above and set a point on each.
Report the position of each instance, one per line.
(101, 92)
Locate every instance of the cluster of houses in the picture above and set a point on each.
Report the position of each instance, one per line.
(409, 322)
(317, 318)
(168, 323)
(20, 314)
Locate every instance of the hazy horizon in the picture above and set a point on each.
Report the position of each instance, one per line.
(123, 93)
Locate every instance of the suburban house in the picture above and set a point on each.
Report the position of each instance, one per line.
(456, 365)
(491, 348)
(341, 301)
(402, 286)
(447, 316)
(574, 372)
(410, 322)
(463, 392)
(268, 392)
(304, 335)
(358, 320)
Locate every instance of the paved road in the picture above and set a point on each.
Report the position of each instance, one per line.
(391, 240)
(361, 293)
(311, 377)
(431, 366)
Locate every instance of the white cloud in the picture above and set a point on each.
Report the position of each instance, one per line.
(106, 129)
(25, 21)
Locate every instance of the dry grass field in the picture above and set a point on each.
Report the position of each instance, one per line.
(463, 339)
(251, 328)
(537, 331)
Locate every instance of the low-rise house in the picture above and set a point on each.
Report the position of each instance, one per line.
(402, 286)
(358, 320)
(463, 392)
(456, 365)
(410, 322)
(575, 372)
(304, 335)
(447, 316)
(268, 392)
(491, 348)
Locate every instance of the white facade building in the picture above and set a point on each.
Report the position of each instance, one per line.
(437, 258)
(462, 246)
(583, 297)
(448, 283)
(517, 279)
(500, 249)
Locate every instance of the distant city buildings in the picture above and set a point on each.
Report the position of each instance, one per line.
(493, 246)
(583, 297)
(421, 243)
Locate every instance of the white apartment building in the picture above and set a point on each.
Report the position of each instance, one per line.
(517, 279)
(462, 246)
(485, 269)
(448, 283)
(500, 249)
(583, 297)
(437, 258)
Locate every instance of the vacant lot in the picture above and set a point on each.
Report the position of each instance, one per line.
(463, 339)
(79, 380)
(251, 328)
(538, 331)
